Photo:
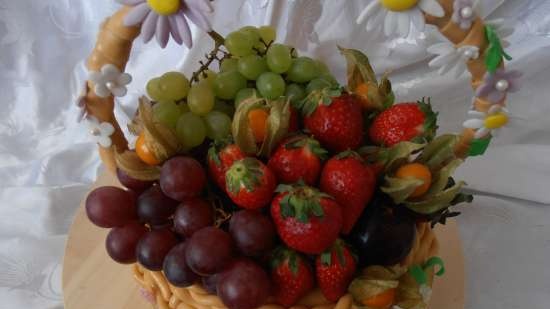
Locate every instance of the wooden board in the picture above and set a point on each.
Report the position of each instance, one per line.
(92, 280)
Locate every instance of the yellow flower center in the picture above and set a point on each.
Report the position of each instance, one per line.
(164, 7)
(398, 5)
(496, 121)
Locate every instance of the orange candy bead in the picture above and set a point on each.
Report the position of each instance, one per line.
(418, 171)
(383, 300)
(257, 119)
(144, 153)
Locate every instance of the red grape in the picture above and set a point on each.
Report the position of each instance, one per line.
(192, 215)
(244, 285)
(133, 184)
(153, 247)
(111, 206)
(121, 242)
(210, 283)
(175, 267)
(154, 207)
(253, 232)
(182, 177)
(209, 250)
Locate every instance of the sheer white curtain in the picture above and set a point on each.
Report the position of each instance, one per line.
(47, 161)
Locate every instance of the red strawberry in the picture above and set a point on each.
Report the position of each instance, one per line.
(337, 121)
(221, 156)
(404, 122)
(297, 158)
(351, 182)
(249, 183)
(335, 269)
(291, 276)
(306, 219)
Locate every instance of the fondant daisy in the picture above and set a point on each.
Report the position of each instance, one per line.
(109, 80)
(486, 122)
(162, 18)
(450, 58)
(396, 16)
(101, 132)
(496, 85)
(426, 293)
(464, 13)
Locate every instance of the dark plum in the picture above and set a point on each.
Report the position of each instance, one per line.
(381, 237)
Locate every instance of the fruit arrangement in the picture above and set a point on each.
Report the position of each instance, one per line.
(259, 179)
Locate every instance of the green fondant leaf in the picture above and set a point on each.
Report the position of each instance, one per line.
(478, 146)
(494, 52)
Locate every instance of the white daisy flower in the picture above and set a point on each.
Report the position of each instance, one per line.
(101, 132)
(110, 81)
(396, 16)
(450, 58)
(487, 122)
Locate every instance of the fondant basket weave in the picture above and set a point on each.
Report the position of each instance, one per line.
(113, 47)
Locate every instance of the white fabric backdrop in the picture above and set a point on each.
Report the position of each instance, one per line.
(47, 161)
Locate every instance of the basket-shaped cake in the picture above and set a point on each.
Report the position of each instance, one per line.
(265, 183)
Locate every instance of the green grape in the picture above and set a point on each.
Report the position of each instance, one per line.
(190, 130)
(225, 108)
(208, 76)
(323, 69)
(278, 58)
(167, 113)
(244, 94)
(270, 85)
(218, 125)
(227, 84)
(303, 70)
(295, 93)
(229, 64)
(184, 108)
(201, 99)
(251, 33)
(252, 66)
(153, 89)
(267, 33)
(318, 84)
(239, 44)
(173, 86)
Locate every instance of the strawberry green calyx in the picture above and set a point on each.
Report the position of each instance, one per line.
(310, 143)
(338, 247)
(322, 96)
(301, 202)
(245, 173)
(430, 121)
(349, 154)
(215, 148)
(282, 254)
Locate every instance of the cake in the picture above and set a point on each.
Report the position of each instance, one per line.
(265, 183)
